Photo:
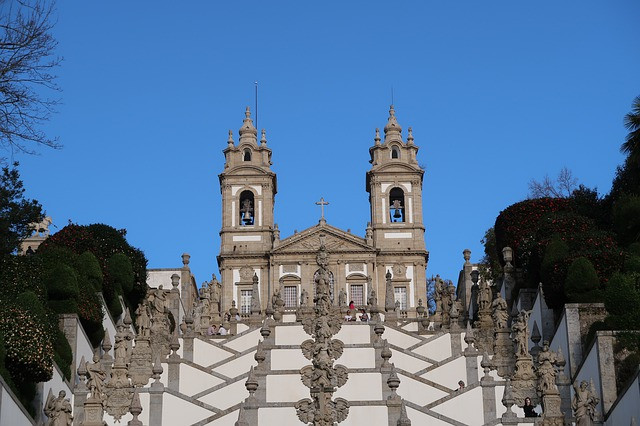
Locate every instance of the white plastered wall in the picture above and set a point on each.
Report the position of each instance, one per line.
(437, 349)
(561, 341)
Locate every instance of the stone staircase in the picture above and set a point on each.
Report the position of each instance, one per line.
(207, 386)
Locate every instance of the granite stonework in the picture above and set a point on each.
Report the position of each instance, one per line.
(276, 340)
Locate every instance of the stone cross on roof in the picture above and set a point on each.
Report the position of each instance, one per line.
(322, 203)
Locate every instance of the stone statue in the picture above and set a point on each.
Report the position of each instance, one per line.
(96, 377)
(215, 290)
(41, 229)
(484, 295)
(159, 301)
(500, 314)
(547, 362)
(342, 297)
(143, 321)
(584, 403)
(120, 349)
(58, 410)
(276, 298)
(304, 297)
(373, 299)
(519, 332)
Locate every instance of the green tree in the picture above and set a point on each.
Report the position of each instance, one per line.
(16, 212)
(631, 146)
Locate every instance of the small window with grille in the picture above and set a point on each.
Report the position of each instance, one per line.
(400, 295)
(290, 296)
(245, 301)
(357, 294)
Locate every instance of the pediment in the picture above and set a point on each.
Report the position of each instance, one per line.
(334, 239)
(398, 167)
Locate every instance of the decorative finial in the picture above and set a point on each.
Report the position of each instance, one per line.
(230, 140)
(392, 130)
(410, 137)
(263, 139)
(377, 138)
(247, 127)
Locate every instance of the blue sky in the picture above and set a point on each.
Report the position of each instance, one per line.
(497, 93)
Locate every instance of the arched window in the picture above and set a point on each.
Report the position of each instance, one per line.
(396, 205)
(395, 152)
(246, 208)
(331, 283)
(247, 155)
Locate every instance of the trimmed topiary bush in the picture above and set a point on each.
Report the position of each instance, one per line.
(104, 241)
(553, 271)
(582, 282)
(121, 273)
(62, 283)
(89, 272)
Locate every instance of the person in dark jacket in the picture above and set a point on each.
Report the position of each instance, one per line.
(528, 408)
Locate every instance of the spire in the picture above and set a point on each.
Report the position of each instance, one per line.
(392, 128)
(410, 137)
(377, 138)
(230, 140)
(247, 127)
(263, 139)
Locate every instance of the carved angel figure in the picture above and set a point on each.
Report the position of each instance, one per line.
(58, 410)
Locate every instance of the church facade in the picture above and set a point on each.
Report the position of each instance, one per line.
(394, 240)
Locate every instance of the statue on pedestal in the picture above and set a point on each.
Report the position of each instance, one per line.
(58, 410)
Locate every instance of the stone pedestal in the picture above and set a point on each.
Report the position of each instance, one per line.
(552, 414)
(484, 333)
(80, 397)
(140, 365)
(93, 413)
(503, 351)
(524, 381)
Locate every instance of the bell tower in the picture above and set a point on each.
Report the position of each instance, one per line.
(394, 184)
(248, 187)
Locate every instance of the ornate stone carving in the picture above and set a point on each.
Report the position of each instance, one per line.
(246, 274)
(322, 377)
(399, 270)
(58, 409)
(584, 403)
(140, 366)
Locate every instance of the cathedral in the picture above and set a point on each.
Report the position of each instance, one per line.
(394, 240)
(276, 342)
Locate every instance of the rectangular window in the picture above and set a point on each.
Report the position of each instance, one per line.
(245, 301)
(290, 296)
(357, 294)
(400, 295)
